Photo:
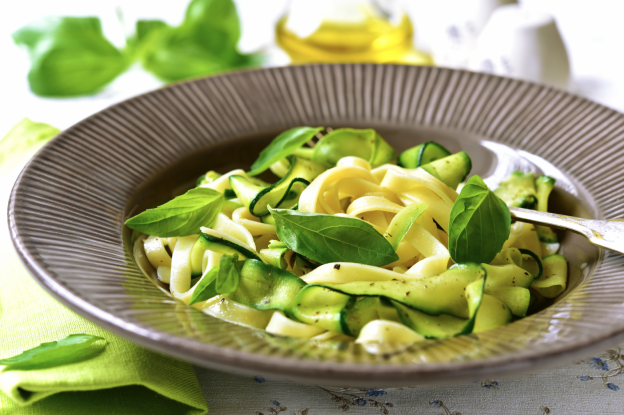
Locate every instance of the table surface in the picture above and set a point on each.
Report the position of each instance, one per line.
(592, 32)
(592, 386)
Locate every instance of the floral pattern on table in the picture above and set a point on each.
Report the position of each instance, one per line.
(348, 398)
(279, 408)
(447, 411)
(590, 386)
(611, 364)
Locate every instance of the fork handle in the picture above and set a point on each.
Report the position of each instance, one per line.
(607, 234)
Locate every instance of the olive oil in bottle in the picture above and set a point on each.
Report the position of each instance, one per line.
(347, 31)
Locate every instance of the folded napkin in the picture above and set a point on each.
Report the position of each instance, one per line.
(112, 377)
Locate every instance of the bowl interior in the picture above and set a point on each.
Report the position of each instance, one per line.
(492, 161)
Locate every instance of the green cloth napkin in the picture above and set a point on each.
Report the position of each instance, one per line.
(116, 377)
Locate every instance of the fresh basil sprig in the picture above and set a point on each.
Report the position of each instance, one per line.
(281, 146)
(479, 224)
(182, 216)
(327, 238)
(205, 42)
(56, 352)
(221, 279)
(25, 135)
(70, 56)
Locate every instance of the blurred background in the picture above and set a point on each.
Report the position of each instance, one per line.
(59, 70)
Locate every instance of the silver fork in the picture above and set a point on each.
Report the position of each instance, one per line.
(607, 234)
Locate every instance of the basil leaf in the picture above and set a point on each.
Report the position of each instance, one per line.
(205, 42)
(206, 287)
(479, 224)
(23, 136)
(327, 238)
(181, 216)
(229, 273)
(58, 352)
(282, 146)
(70, 56)
(221, 279)
(147, 28)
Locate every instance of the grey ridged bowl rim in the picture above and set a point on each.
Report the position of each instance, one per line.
(297, 369)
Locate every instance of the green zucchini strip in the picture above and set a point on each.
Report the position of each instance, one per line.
(555, 278)
(274, 254)
(517, 299)
(225, 239)
(545, 185)
(213, 243)
(338, 312)
(509, 276)
(344, 142)
(302, 266)
(322, 306)
(402, 223)
(532, 264)
(518, 190)
(286, 191)
(266, 287)
(492, 313)
(442, 294)
(451, 170)
(442, 326)
(422, 154)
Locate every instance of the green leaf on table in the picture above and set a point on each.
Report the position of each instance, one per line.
(221, 279)
(25, 135)
(147, 28)
(283, 145)
(182, 216)
(205, 43)
(479, 224)
(327, 238)
(56, 351)
(145, 33)
(69, 56)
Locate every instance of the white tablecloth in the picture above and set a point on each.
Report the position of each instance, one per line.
(592, 386)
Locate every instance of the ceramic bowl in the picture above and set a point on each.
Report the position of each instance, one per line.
(68, 207)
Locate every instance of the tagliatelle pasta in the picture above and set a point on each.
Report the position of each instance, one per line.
(239, 270)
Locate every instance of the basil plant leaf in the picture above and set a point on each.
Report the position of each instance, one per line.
(181, 216)
(146, 32)
(221, 279)
(147, 28)
(51, 352)
(205, 43)
(23, 136)
(327, 238)
(69, 56)
(229, 273)
(283, 145)
(479, 224)
(206, 288)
